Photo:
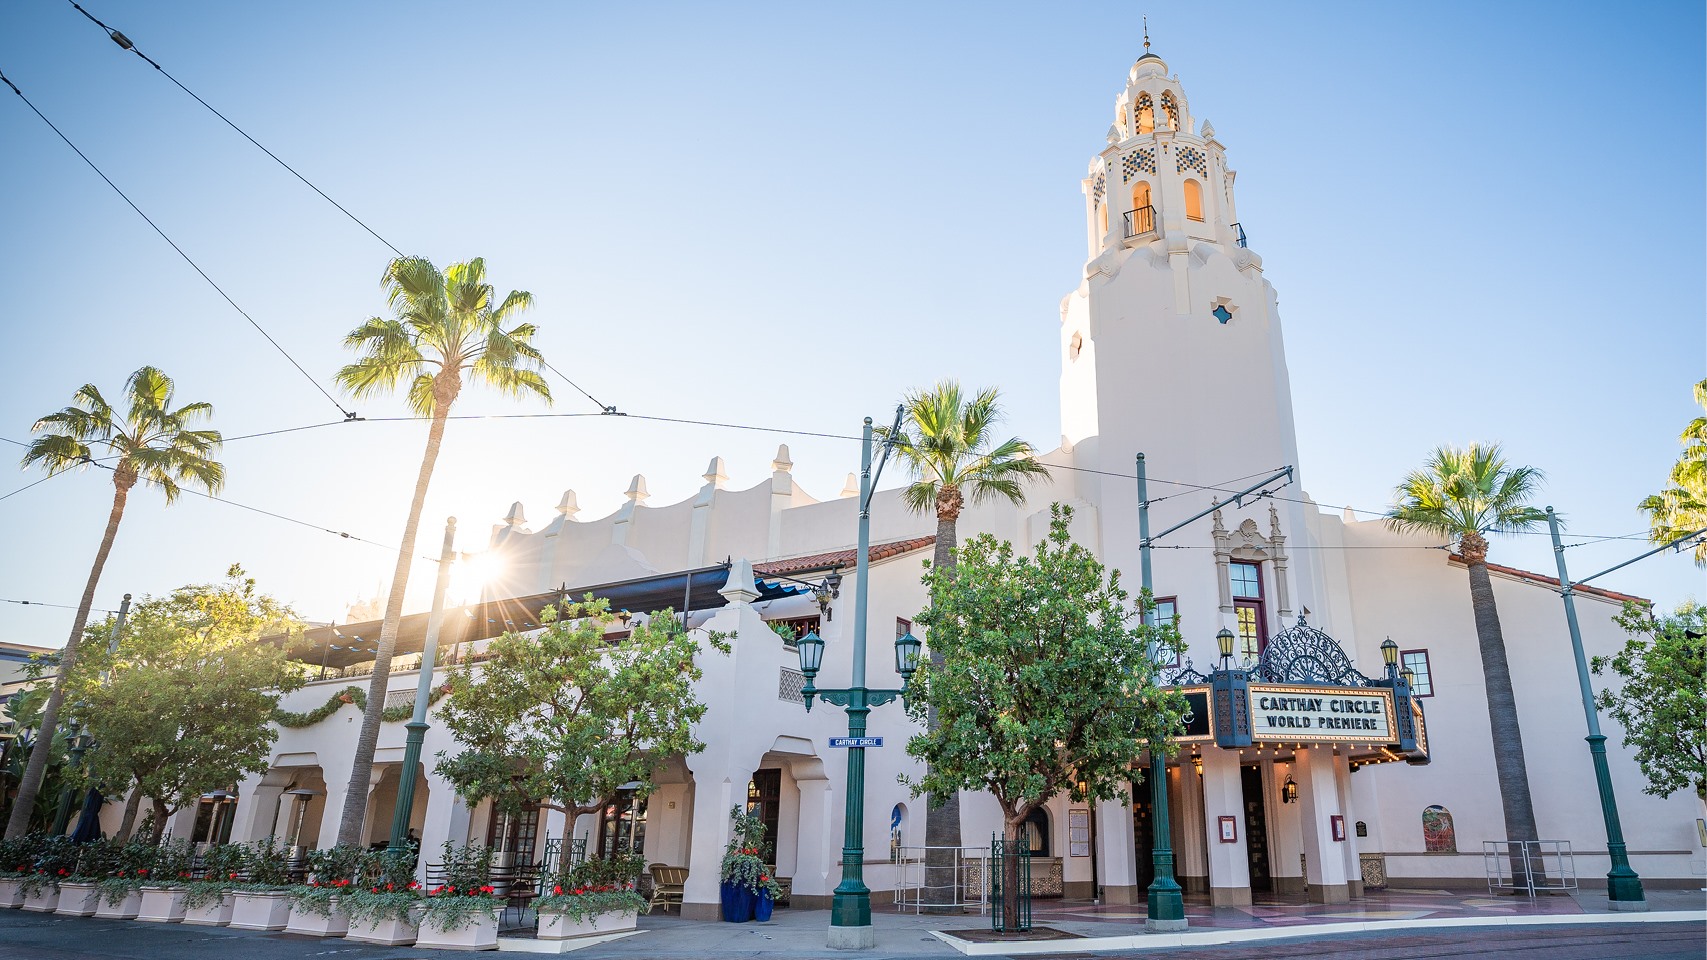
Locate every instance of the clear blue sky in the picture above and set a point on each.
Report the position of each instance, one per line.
(1484, 222)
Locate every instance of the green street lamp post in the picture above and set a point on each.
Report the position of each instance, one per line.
(80, 742)
(417, 725)
(1623, 885)
(850, 907)
(1166, 902)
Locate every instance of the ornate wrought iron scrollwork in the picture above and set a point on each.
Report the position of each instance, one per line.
(1183, 674)
(1303, 654)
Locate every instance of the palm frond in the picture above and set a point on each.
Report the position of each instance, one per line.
(945, 440)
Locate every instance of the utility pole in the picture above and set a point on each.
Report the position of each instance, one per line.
(1166, 910)
(1623, 885)
(417, 725)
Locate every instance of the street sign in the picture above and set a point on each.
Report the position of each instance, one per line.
(856, 741)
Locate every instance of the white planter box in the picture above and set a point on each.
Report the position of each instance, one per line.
(78, 899)
(161, 905)
(314, 925)
(215, 914)
(268, 910)
(481, 934)
(558, 926)
(11, 893)
(125, 909)
(386, 933)
(44, 900)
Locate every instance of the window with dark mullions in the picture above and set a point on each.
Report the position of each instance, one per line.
(1422, 682)
(1167, 614)
(1245, 579)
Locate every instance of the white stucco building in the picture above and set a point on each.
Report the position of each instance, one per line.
(1171, 308)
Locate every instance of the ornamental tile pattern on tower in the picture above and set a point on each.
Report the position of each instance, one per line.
(1189, 159)
(1136, 161)
(1098, 187)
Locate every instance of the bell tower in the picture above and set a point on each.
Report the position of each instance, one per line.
(1171, 343)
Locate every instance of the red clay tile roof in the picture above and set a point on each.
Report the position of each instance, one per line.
(840, 558)
(1546, 581)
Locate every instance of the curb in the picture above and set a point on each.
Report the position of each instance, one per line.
(1159, 941)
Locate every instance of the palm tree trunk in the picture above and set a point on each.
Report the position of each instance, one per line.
(1509, 768)
(355, 798)
(942, 823)
(19, 822)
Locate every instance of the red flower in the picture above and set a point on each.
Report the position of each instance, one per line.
(557, 891)
(450, 887)
(233, 875)
(487, 889)
(142, 872)
(763, 878)
(62, 871)
(389, 887)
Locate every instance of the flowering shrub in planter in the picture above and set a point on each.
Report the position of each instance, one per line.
(316, 908)
(17, 859)
(161, 896)
(742, 873)
(78, 898)
(384, 906)
(207, 889)
(462, 913)
(262, 902)
(592, 897)
(51, 861)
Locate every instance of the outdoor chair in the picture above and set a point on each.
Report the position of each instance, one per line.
(668, 885)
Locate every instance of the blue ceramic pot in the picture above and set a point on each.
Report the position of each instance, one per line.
(762, 908)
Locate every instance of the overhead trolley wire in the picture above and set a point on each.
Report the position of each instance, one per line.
(187, 259)
(128, 44)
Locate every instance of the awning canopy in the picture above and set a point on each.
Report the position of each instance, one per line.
(340, 645)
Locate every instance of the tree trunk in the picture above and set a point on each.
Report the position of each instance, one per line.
(124, 477)
(160, 815)
(1509, 768)
(942, 823)
(1010, 872)
(355, 799)
(130, 806)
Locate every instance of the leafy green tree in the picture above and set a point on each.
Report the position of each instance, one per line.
(1681, 509)
(1662, 702)
(948, 444)
(149, 441)
(1048, 683)
(183, 705)
(24, 711)
(566, 716)
(449, 330)
(1464, 494)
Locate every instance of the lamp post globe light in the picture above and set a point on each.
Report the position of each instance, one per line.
(850, 907)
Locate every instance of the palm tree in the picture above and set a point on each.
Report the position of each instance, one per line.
(448, 330)
(1464, 494)
(152, 443)
(945, 441)
(1681, 509)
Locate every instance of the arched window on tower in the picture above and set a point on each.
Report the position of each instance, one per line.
(1143, 218)
(1146, 114)
(1193, 200)
(1170, 110)
(1102, 219)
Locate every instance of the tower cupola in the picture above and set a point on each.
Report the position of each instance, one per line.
(1163, 176)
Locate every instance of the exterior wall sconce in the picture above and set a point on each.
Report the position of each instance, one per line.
(1289, 790)
(1390, 656)
(1197, 763)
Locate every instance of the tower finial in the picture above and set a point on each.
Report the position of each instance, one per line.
(1146, 35)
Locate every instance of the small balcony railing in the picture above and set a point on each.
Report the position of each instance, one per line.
(1140, 222)
(1239, 235)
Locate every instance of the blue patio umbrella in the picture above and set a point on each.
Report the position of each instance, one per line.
(89, 824)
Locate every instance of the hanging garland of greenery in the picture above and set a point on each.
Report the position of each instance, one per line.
(357, 696)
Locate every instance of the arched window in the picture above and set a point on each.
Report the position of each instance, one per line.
(1146, 114)
(1143, 217)
(1037, 832)
(1102, 219)
(1193, 200)
(1438, 834)
(897, 830)
(1170, 110)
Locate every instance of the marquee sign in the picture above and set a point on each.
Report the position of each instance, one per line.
(1314, 714)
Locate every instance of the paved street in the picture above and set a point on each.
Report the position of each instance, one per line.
(37, 937)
